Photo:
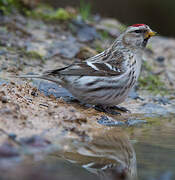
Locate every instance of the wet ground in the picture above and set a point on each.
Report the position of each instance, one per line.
(47, 134)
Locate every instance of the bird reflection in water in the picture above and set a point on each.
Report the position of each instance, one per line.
(109, 154)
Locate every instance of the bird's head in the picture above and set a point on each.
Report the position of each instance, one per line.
(137, 36)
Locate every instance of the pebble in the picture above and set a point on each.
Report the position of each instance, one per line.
(160, 59)
(152, 109)
(87, 33)
(134, 95)
(107, 121)
(134, 122)
(8, 151)
(84, 32)
(68, 48)
(49, 88)
(161, 100)
(3, 82)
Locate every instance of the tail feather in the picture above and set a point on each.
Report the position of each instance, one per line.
(30, 76)
(40, 76)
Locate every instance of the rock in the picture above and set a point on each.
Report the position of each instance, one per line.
(84, 31)
(8, 151)
(108, 121)
(3, 99)
(134, 95)
(160, 59)
(152, 109)
(87, 33)
(34, 48)
(112, 26)
(68, 48)
(49, 88)
(2, 81)
(134, 122)
(161, 100)
(85, 53)
(35, 141)
(3, 52)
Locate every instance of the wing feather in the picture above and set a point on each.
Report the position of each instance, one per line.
(107, 63)
(87, 69)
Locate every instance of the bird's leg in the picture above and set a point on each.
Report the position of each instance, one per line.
(119, 108)
(107, 109)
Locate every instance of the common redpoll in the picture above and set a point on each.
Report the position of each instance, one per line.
(108, 154)
(105, 79)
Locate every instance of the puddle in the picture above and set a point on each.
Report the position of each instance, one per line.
(155, 150)
(109, 153)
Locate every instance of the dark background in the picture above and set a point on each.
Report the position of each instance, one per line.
(158, 14)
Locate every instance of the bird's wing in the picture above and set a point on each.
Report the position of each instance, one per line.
(88, 68)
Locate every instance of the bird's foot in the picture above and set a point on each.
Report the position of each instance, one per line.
(108, 110)
(123, 109)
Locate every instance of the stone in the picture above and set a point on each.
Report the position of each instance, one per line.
(49, 88)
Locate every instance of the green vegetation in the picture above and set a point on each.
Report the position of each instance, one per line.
(61, 14)
(98, 48)
(152, 83)
(122, 27)
(85, 10)
(147, 66)
(45, 11)
(48, 13)
(104, 35)
(149, 46)
(42, 11)
(31, 54)
(8, 5)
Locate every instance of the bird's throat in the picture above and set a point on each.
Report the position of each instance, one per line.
(145, 41)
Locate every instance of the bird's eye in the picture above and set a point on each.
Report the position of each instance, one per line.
(138, 31)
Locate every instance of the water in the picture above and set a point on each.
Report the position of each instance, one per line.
(146, 152)
(155, 151)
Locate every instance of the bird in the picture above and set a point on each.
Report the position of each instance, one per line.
(105, 79)
(108, 153)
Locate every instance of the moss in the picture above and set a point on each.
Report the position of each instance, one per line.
(149, 46)
(48, 13)
(99, 49)
(62, 14)
(152, 83)
(7, 5)
(34, 54)
(122, 27)
(104, 35)
(147, 66)
(31, 54)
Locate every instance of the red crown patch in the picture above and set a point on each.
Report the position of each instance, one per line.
(137, 25)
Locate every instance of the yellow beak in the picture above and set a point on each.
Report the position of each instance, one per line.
(149, 34)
